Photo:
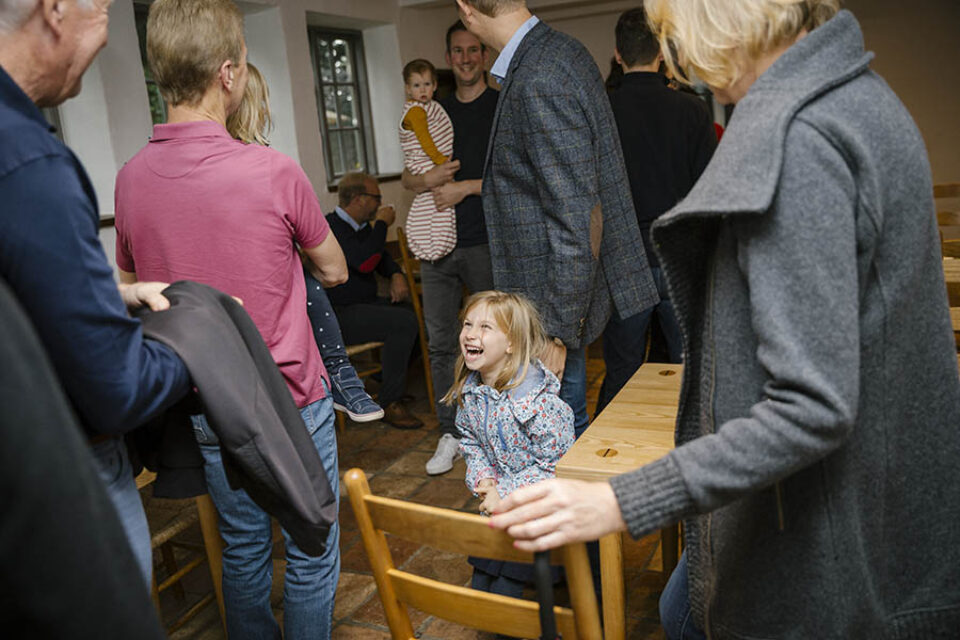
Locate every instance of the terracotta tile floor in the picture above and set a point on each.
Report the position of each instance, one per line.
(394, 460)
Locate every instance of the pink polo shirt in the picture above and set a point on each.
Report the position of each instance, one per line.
(195, 204)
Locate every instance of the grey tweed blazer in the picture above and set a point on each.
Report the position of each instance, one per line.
(555, 193)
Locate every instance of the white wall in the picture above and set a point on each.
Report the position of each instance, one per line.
(916, 45)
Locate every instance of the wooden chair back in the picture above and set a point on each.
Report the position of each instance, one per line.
(411, 269)
(468, 534)
(946, 190)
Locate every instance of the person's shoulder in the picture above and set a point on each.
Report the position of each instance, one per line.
(24, 141)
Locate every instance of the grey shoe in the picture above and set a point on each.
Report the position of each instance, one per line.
(448, 450)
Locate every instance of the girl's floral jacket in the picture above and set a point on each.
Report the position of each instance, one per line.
(514, 437)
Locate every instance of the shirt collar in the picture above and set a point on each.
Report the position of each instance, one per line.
(181, 130)
(502, 64)
(346, 217)
(14, 97)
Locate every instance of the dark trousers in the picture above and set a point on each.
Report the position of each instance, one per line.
(326, 330)
(443, 282)
(395, 325)
(625, 342)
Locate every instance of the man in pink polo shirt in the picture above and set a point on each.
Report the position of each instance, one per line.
(195, 204)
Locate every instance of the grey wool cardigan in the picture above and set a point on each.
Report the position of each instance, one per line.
(817, 468)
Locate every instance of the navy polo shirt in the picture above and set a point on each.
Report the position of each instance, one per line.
(51, 256)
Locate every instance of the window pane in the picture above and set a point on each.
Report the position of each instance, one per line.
(330, 106)
(336, 155)
(347, 105)
(352, 154)
(341, 62)
(158, 110)
(325, 56)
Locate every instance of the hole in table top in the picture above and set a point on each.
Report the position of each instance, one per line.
(607, 452)
(667, 372)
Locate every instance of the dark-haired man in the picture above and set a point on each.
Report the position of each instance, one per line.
(471, 110)
(667, 139)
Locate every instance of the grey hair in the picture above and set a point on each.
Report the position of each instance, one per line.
(14, 13)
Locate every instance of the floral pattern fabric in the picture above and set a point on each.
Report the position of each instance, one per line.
(515, 437)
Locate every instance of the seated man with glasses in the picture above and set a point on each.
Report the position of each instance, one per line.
(360, 224)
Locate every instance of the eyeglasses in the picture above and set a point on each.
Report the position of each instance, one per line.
(376, 196)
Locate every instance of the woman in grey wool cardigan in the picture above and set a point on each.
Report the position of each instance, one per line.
(817, 468)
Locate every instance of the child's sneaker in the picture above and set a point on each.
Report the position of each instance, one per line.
(350, 397)
(448, 450)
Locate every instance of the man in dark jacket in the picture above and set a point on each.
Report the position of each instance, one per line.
(667, 139)
(561, 225)
(360, 225)
(51, 256)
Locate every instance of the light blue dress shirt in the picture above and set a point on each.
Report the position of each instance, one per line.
(346, 217)
(502, 65)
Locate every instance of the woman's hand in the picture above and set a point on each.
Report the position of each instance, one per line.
(555, 512)
(141, 294)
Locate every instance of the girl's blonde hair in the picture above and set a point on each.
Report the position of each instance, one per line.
(714, 39)
(252, 120)
(519, 320)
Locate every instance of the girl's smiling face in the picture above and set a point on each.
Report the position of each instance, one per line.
(483, 343)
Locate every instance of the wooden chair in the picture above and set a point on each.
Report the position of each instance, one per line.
(168, 522)
(411, 268)
(464, 533)
(372, 368)
(946, 190)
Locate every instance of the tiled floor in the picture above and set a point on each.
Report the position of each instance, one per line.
(394, 461)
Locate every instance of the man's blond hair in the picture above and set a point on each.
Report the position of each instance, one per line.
(493, 8)
(715, 40)
(187, 41)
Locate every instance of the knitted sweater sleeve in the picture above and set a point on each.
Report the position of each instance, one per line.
(416, 121)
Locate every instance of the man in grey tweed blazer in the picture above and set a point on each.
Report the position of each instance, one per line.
(555, 192)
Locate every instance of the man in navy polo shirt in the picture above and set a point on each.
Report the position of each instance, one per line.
(51, 257)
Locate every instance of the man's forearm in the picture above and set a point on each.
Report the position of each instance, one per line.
(410, 182)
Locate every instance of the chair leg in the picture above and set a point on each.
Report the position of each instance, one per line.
(214, 548)
(341, 422)
(424, 349)
(170, 563)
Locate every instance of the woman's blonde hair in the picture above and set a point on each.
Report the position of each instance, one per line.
(187, 41)
(251, 122)
(519, 320)
(714, 39)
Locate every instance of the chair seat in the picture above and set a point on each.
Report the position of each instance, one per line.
(354, 349)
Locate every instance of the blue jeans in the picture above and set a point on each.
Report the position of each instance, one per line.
(675, 613)
(310, 583)
(113, 467)
(625, 342)
(573, 387)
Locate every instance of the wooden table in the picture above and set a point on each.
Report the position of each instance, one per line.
(636, 428)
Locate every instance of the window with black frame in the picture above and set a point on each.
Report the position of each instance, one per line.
(158, 109)
(342, 101)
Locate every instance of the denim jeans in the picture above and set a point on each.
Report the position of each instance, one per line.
(625, 342)
(443, 281)
(113, 467)
(573, 387)
(675, 613)
(310, 583)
